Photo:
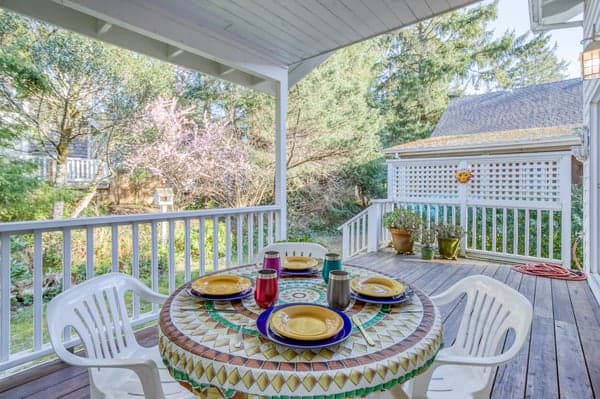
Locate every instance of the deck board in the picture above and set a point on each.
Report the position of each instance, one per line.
(561, 359)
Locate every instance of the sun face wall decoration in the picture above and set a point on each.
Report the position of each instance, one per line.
(464, 176)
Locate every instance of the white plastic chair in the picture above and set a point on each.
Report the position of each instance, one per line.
(118, 366)
(293, 249)
(466, 369)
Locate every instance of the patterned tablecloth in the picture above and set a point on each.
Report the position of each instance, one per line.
(196, 343)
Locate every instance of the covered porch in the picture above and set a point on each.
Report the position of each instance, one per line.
(561, 359)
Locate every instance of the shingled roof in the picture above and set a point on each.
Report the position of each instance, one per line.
(543, 117)
(550, 104)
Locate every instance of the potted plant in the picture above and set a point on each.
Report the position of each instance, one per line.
(403, 224)
(428, 237)
(448, 236)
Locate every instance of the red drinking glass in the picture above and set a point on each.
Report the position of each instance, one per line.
(266, 290)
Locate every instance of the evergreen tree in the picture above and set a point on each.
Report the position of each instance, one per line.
(529, 62)
(423, 66)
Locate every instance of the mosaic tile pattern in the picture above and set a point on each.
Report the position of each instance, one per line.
(196, 342)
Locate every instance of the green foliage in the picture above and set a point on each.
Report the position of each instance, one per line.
(427, 237)
(425, 65)
(369, 178)
(446, 231)
(403, 219)
(24, 196)
(529, 62)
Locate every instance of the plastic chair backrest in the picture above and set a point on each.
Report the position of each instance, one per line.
(96, 310)
(492, 309)
(294, 249)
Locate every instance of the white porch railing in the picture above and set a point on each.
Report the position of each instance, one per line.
(196, 242)
(79, 170)
(518, 207)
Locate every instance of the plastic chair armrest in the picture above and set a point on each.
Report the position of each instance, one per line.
(484, 361)
(445, 297)
(148, 295)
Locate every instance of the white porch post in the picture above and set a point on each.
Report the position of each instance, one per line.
(591, 198)
(281, 97)
(565, 200)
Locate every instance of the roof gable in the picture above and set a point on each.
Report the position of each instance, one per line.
(551, 104)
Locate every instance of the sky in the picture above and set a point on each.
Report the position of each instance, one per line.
(514, 14)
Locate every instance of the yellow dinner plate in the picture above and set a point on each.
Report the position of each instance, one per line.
(298, 262)
(306, 322)
(379, 287)
(221, 285)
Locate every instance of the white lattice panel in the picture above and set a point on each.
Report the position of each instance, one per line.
(515, 180)
(423, 179)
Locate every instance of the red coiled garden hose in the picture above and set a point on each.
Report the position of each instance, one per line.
(553, 270)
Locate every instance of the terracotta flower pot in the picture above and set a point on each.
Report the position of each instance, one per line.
(427, 253)
(402, 241)
(448, 247)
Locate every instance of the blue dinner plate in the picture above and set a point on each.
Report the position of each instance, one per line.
(262, 324)
(241, 295)
(383, 301)
(307, 272)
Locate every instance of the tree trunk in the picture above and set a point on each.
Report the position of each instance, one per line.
(60, 177)
(85, 201)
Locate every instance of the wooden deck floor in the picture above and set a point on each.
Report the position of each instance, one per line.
(561, 360)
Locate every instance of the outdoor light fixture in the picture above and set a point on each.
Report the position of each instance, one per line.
(590, 57)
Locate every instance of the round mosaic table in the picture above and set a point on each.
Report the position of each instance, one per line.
(196, 342)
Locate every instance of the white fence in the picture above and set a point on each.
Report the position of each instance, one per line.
(77, 249)
(516, 207)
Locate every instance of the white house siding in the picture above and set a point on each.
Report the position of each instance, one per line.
(591, 114)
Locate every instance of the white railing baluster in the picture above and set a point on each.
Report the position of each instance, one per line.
(515, 231)
(66, 263)
(38, 278)
(270, 232)
(345, 241)
(527, 232)
(154, 260)
(5, 299)
(89, 253)
(538, 237)
(484, 228)
(494, 232)
(228, 241)
(135, 264)
(261, 233)
(551, 234)
(215, 223)
(240, 238)
(364, 231)
(474, 229)
(114, 233)
(250, 237)
(187, 256)
(171, 255)
(504, 231)
(202, 245)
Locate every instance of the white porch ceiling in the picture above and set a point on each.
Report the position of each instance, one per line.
(255, 43)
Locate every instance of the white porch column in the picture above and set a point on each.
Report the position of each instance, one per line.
(591, 197)
(281, 97)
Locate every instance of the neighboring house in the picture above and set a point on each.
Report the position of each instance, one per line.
(83, 167)
(533, 119)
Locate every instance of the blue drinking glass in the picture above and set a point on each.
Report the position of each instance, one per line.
(332, 262)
